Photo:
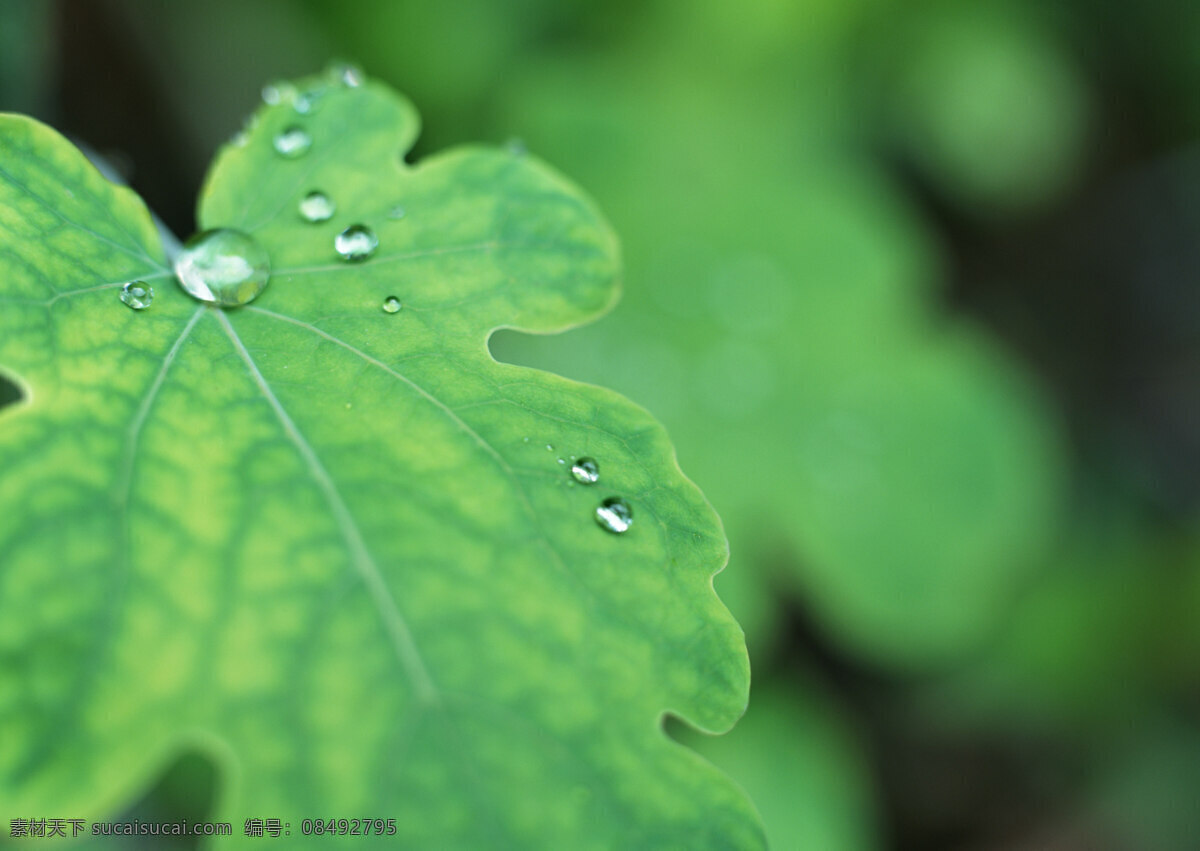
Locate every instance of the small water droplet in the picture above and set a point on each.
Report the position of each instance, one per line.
(526, 439)
(307, 103)
(345, 74)
(316, 206)
(278, 92)
(356, 243)
(240, 139)
(293, 142)
(549, 447)
(349, 405)
(586, 471)
(516, 147)
(137, 294)
(562, 460)
(391, 304)
(396, 212)
(223, 266)
(614, 515)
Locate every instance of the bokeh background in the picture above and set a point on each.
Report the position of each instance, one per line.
(915, 286)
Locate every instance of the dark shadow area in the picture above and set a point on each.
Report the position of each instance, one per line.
(10, 392)
(186, 792)
(109, 97)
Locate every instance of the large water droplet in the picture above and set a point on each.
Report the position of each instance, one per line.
(356, 243)
(137, 294)
(391, 304)
(223, 266)
(316, 206)
(614, 515)
(586, 471)
(293, 142)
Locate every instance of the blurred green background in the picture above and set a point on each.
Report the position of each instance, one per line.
(914, 285)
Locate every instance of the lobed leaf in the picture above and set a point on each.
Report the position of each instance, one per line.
(337, 549)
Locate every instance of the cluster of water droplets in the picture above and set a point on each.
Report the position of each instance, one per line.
(339, 74)
(357, 242)
(613, 514)
(228, 267)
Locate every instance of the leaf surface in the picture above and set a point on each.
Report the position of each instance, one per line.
(337, 549)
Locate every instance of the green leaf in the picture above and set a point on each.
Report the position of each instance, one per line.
(893, 465)
(330, 547)
(984, 102)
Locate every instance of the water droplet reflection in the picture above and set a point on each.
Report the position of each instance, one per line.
(293, 142)
(614, 515)
(316, 206)
(223, 266)
(137, 294)
(356, 243)
(586, 471)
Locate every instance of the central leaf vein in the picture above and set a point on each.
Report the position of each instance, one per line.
(394, 622)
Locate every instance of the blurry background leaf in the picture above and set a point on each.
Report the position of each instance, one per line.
(25, 56)
(801, 763)
(982, 100)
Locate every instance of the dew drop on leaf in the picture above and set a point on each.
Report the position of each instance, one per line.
(278, 92)
(391, 304)
(614, 515)
(347, 75)
(137, 294)
(316, 206)
(293, 142)
(223, 266)
(396, 212)
(356, 243)
(307, 103)
(586, 471)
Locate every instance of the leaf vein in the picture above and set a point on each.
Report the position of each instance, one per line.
(397, 627)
